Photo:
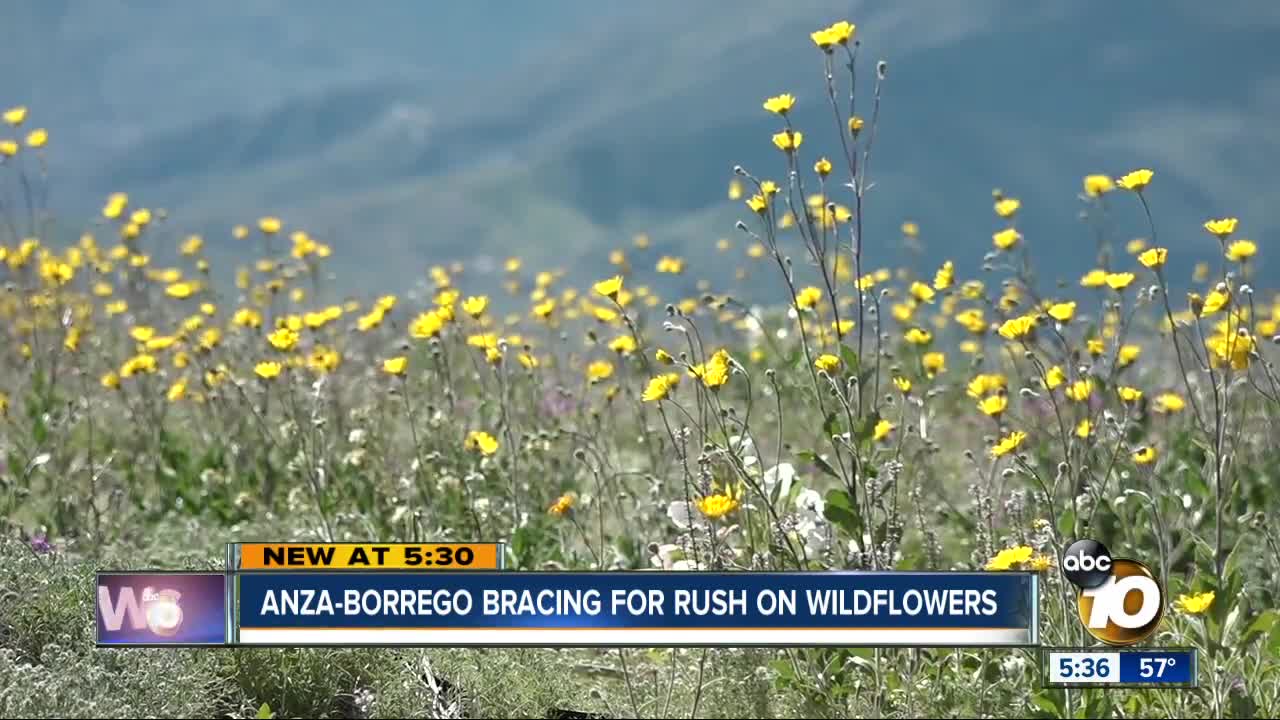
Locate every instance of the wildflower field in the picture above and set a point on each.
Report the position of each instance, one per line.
(864, 417)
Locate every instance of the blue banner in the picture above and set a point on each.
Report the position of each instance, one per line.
(638, 608)
(1158, 666)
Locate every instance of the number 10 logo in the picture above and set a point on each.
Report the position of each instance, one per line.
(1120, 601)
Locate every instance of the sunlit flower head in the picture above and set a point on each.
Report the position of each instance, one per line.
(945, 276)
(1008, 444)
(922, 292)
(1010, 558)
(933, 363)
(15, 116)
(609, 287)
(808, 298)
(1062, 312)
(1127, 354)
(1145, 455)
(562, 505)
(670, 265)
(717, 505)
(788, 141)
(1007, 207)
(395, 366)
(827, 363)
(268, 370)
(985, 384)
(1195, 604)
(1017, 328)
(1222, 227)
(1094, 278)
(481, 442)
(1169, 403)
(1080, 390)
(1119, 281)
(882, 429)
(994, 405)
(660, 387)
(1241, 250)
(918, 336)
(599, 370)
(1215, 302)
(1006, 239)
(1154, 258)
(1129, 394)
(1095, 185)
(475, 305)
(780, 104)
(1137, 180)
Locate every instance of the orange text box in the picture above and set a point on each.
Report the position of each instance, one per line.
(370, 556)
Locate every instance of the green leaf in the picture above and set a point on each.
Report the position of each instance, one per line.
(1262, 624)
(1046, 703)
(843, 513)
(818, 460)
(265, 711)
(850, 359)
(832, 425)
(1067, 522)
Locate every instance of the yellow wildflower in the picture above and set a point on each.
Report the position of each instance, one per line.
(660, 387)
(1119, 281)
(1095, 185)
(1008, 444)
(827, 363)
(1136, 180)
(1008, 558)
(599, 370)
(994, 405)
(780, 104)
(396, 365)
(1006, 239)
(1080, 390)
(1194, 604)
(1145, 455)
(1241, 250)
(481, 442)
(1154, 258)
(609, 287)
(1222, 227)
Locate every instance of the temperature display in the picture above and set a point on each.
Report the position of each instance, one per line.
(1077, 667)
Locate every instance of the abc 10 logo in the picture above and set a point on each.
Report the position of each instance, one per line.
(1120, 601)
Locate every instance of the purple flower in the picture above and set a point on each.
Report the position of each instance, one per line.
(40, 544)
(558, 404)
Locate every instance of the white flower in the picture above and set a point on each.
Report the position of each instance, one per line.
(779, 475)
(745, 448)
(810, 504)
(356, 436)
(811, 524)
(685, 515)
(1013, 664)
(672, 557)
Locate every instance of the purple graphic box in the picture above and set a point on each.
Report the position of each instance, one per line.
(161, 608)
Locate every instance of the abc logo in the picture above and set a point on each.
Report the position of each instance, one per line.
(1120, 602)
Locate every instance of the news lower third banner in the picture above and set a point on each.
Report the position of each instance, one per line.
(458, 594)
(636, 609)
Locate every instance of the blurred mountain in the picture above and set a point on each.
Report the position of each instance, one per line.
(407, 134)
